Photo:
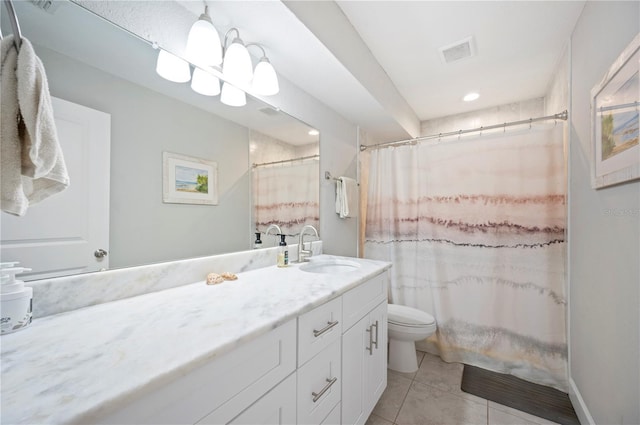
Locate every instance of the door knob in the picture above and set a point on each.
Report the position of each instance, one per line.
(101, 253)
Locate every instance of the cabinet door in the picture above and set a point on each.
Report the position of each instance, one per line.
(354, 369)
(277, 407)
(376, 376)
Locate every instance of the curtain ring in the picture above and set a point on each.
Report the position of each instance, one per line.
(459, 133)
(530, 121)
(504, 129)
(439, 137)
(481, 127)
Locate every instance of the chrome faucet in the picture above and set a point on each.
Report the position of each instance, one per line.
(303, 254)
(273, 226)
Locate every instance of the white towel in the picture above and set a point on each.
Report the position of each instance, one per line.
(346, 197)
(33, 167)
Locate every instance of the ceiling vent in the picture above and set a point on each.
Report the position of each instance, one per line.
(459, 50)
(268, 111)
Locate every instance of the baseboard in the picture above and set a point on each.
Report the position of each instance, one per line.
(579, 405)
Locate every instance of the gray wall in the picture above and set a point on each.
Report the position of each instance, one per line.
(145, 123)
(604, 237)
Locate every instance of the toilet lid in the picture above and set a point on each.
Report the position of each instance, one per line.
(404, 315)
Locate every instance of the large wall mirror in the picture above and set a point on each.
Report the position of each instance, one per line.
(117, 119)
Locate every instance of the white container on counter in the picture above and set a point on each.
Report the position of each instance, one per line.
(15, 299)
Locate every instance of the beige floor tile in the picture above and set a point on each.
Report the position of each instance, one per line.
(426, 405)
(444, 376)
(419, 357)
(498, 417)
(389, 404)
(377, 420)
(523, 415)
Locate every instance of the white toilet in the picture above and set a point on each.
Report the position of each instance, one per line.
(406, 326)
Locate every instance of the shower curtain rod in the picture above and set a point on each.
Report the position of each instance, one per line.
(561, 116)
(286, 160)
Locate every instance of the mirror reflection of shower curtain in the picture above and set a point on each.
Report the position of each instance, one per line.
(476, 232)
(286, 195)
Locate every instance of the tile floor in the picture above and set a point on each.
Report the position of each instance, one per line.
(432, 395)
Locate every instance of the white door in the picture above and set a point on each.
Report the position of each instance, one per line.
(60, 235)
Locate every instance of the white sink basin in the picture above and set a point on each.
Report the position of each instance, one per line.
(330, 266)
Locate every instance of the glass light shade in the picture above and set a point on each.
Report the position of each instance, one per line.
(265, 80)
(470, 97)
(205, 83)
(232, 96)
(203, 44)
(237, 66)
(172, 68)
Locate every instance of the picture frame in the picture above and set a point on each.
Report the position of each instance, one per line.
(615, 124)
(189, 180)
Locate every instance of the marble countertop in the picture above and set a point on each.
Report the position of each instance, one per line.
(77, 366)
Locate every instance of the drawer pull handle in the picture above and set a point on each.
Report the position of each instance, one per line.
(330, 382)
(370, 347)
(325, 329)
(376, 341)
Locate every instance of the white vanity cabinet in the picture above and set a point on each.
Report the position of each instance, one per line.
(327, 366)
(221, 389)
(364, 350)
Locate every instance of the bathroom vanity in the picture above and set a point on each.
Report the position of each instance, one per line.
(278, 345)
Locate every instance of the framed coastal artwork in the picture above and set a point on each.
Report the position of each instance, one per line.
(189, 180)
(615, 123)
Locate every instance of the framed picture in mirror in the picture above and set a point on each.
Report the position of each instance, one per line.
(189, 180)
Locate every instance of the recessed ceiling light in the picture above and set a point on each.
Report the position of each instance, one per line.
(470, 97)
(313, 132)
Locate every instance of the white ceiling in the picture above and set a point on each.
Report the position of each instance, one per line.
(518, 43)
(377, 62)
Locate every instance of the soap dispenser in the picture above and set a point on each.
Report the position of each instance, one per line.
(257, 244)
(15, 299)
(283, 252)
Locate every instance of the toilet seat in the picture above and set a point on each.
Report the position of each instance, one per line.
(409, 317)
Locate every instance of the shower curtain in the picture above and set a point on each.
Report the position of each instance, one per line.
(286, 195)
(475, 228)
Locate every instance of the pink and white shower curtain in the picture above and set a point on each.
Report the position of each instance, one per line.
(286, 195)
(475, 229)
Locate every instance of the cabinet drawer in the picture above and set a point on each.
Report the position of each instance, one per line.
(319, 383)
(277, 407)
(334, 417)
(229, 384)
(362, 299)
(318, 328)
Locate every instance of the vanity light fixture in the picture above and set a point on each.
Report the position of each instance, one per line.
(265, 80)
(313, 132)
(205, 83)
(205, 51)
(236, 64)
(470, 97)
(172, 68)
(203, 43)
